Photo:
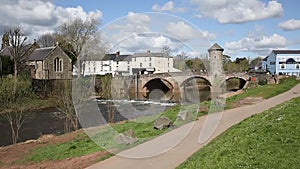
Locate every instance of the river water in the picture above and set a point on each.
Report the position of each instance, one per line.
(51, 121)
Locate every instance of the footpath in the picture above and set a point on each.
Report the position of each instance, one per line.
(171, 149)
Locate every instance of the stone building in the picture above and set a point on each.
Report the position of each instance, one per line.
(50, 63)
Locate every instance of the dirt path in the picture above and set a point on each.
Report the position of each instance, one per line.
(169, 156)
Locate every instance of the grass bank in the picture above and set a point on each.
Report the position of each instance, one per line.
(82, 145)
(267, 140)
(264, 91)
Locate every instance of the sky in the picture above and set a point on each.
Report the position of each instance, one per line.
(244, 28)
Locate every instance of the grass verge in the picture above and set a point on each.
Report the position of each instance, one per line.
(267, 140)
(264, 91)
(81, 145)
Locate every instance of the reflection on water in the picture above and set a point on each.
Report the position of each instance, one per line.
(45, 121)
(50, 121)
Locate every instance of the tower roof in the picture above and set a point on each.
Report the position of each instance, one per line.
(215, 47)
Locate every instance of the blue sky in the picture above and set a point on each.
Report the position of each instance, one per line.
(242, 27)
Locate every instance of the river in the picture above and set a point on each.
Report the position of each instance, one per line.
(51, 121)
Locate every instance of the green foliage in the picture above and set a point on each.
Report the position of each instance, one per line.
(14, 90)
(195, 64)
(239, 65)
(103, 86)
(267, 140)
(7, 65)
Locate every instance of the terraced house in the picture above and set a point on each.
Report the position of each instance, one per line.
(282, 62)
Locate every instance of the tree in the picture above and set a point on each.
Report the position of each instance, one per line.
(15, 120)
(5, 41)
(47, 40)
(166, 49)
(255, 61)
(6, 65)
(75, 34)
(18, 48)
(65, 105)
(195, 64)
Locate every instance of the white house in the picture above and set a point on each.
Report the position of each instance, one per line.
(148, 63)
(282, 62)
(125, 65)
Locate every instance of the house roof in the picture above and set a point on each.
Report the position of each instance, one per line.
(110, 56)
(40, 53)
(286, 51)
(6, 51)
(123, 58)
(148, 54)
(216, 47)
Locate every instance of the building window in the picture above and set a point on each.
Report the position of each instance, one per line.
(58, 65)
(128, 62)
(150, 65)
(282, 66)
(150, 59)
(117, 62)
(128, 68)
(168, 64)
(297, 66)
(141, 64)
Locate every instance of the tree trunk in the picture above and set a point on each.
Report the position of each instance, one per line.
(15, 69)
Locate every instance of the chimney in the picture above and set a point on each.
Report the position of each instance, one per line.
(118, 53)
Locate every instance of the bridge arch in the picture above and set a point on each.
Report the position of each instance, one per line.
(193, 91)
(195, 77)
(158, 89)
(241, 85)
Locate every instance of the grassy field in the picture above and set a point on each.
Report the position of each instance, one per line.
(83, 145)
(267, 140)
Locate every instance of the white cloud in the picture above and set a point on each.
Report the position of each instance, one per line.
(167, 7)
(259, 45)
(238, 11)
(186, 32)
(37, 17)
(143, 42)
(141, 31)
(289, 25)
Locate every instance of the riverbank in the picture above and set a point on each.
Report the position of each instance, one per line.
(81, 143)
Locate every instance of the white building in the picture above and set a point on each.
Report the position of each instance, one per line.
(148, 63)
(125, 65)
(282, 62)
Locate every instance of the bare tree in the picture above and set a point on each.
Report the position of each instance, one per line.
(47, 40)
(166, 49)
(76, 33)
(18, 48)
(15, 120)
(65, 105)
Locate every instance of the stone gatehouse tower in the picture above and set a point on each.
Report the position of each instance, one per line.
(216, 60)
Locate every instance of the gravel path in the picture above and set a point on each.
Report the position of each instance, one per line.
(170, 150)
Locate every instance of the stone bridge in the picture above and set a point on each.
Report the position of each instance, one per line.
(169, 83)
